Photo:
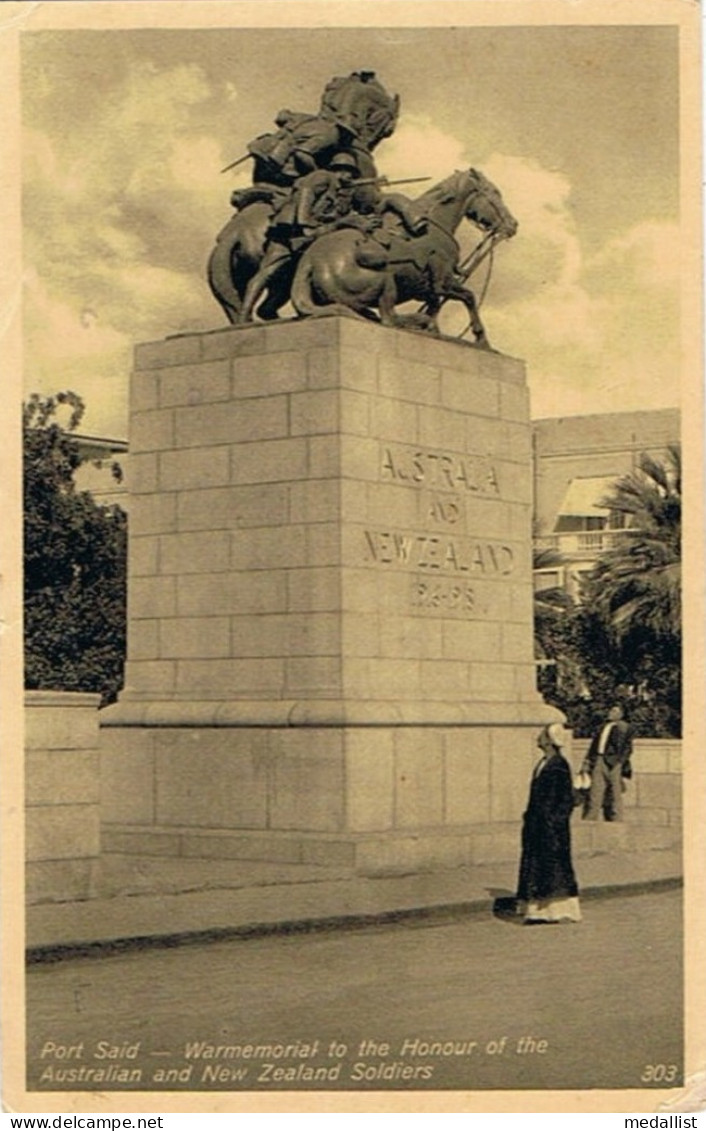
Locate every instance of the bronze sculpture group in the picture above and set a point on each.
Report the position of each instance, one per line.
(316, 229)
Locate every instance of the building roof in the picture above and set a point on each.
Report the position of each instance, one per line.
(583, 496)
(648, 429)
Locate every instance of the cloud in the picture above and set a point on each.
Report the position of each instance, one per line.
(72, 348)
(596, 330)
(62, 331)
(123, 209)
(418, 148)
(121, 213)
(547, 246)
(609, 341)
(194, 162)
(649, 250)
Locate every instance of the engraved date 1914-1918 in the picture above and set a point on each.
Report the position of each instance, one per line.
(443, 596)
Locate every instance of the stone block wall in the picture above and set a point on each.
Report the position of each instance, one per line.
(378, 799)
(328, 510)
(225, 485)
(62, 795)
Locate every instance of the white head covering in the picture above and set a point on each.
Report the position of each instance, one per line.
(556, 734)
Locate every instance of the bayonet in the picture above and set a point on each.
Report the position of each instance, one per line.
(238, 162)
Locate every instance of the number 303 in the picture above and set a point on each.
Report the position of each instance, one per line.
(659, 1074)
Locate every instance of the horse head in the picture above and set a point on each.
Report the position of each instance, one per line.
(486, 208)
(467, 193)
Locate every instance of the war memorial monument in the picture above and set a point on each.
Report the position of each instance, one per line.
(330, 596)
(283, 860)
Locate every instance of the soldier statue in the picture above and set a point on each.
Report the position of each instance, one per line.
(323, 200)
(315, 228)
(355, 113)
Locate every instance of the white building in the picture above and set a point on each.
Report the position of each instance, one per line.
(576, 463)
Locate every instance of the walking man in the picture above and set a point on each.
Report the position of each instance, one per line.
(608, 763)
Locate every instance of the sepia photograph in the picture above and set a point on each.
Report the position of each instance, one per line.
(352, 728)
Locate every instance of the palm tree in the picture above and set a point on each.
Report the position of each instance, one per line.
(636, 586)
(631, 600)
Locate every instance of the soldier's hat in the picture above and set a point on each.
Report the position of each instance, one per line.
(344, 161)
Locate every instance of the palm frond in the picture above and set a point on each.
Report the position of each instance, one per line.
(636, 585)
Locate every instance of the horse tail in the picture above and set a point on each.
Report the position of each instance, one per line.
(220, 271)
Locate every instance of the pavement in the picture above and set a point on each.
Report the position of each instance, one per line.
(455, 1001)
(159, 901)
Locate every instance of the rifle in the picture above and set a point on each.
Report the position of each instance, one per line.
(385, 181)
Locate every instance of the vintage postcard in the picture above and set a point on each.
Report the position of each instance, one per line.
(352, 727)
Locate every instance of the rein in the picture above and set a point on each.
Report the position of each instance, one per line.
(486, 284)
(436, 224)
(476, 257)
(489, 272)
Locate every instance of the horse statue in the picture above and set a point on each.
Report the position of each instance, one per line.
(358, 273)
(236, 257)
(346, 270)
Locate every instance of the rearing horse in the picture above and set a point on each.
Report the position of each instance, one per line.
(340, 268)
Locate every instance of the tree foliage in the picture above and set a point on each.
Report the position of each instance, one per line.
(74, 561)
(624, 637)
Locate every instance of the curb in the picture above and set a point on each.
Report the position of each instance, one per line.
(431, 916)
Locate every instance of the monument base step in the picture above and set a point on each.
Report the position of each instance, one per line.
(401, 852)
(157, 900)
(312, 850)
(123, 874)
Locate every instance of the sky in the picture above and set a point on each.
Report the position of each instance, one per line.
(126, 131)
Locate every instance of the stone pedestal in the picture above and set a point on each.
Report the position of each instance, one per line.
(330, 600)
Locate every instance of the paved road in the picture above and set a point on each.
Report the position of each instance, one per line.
(453, 1003)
